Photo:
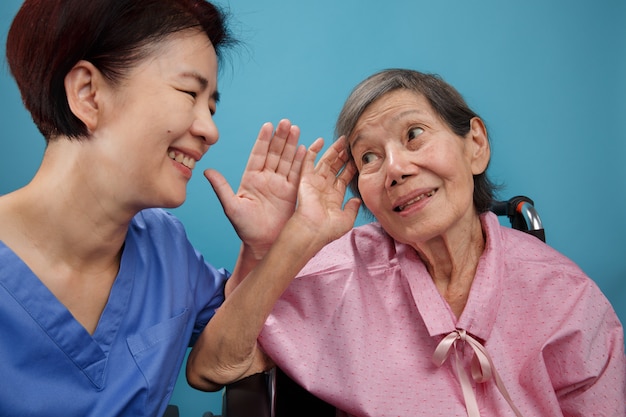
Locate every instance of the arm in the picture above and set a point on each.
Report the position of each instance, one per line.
(587, 363)
(227, 349)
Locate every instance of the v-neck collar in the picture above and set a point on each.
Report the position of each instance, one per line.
(88, 352)
(484, 298)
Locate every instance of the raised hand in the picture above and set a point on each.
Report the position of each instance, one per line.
(323, 189)
(227, 350)
(268, 191)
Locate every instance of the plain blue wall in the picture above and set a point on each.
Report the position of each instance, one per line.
(549, 78)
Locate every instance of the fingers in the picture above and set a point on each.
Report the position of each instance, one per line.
(258, 155)
(308, 164)
(221, 188)
(296, 166)
(283, 148)
(352, 208)
(336, 161)
(347, 173)
(277, 151)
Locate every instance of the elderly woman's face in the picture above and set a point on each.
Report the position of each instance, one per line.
(415, 174)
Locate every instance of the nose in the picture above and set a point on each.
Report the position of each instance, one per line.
(399, 165)
(204, 127)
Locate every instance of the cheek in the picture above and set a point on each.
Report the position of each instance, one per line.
(448, 165)
(372, 193)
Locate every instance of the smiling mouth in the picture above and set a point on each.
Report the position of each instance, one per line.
(182, 159)
(400, 208)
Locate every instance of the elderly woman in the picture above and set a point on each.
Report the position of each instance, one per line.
(435, 309)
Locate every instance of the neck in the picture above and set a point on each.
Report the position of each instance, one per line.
(64, 215)
(452, 261)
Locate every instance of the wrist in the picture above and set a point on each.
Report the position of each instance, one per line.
(301, 237)
(253, 253)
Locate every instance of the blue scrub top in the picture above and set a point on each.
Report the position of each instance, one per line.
(162, 298)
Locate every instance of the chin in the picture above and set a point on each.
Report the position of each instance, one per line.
(174, 202)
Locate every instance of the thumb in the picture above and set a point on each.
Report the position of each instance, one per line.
(352, 208)
(222, 189)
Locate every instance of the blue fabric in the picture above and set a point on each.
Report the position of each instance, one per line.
(162, 298)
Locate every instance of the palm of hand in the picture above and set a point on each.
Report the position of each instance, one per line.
(267, 194)
(322, 192)
(266, 200)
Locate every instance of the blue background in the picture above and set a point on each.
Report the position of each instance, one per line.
(548, 77)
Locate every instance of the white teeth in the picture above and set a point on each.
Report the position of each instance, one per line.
(182, 159)
(415, 200)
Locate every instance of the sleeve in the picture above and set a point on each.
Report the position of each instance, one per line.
(206, 282)
(586, 361)
(209, 294)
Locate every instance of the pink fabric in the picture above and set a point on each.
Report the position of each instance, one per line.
(482, 368)
(361, 324)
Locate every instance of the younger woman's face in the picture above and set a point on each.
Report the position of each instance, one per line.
(158, 123)
(415, 174)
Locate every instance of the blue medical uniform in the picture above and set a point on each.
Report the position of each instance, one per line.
(162, 298)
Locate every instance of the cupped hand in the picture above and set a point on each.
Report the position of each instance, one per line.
(322, 192)
(267, 193)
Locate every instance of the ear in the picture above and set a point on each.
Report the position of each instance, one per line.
(81, 88)
(478, 146)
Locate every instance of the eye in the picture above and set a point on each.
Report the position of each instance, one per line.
(190, 93)
(368, 157)
(212, 107)
(415, 132)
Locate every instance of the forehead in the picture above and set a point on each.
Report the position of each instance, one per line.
(186, 51)
(393, 107)
(397, 100)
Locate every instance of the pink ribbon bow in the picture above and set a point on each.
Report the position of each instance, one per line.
(481, 365)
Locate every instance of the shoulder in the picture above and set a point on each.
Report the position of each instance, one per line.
(160, 232)
(527, 252)
(154, 221)
(158, 236)
(520, 248)
(536, 268)
(364, 245)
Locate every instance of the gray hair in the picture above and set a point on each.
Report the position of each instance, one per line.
(444, 99)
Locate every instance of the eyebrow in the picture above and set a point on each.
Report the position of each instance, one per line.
(394, 119)
(204, 83)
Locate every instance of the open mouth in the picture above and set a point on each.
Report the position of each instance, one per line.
(420, 197)
(181, 158)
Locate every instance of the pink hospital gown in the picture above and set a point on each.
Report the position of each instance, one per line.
(360, 325)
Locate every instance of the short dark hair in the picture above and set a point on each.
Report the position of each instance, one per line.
(48, 37)
(446, 101)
